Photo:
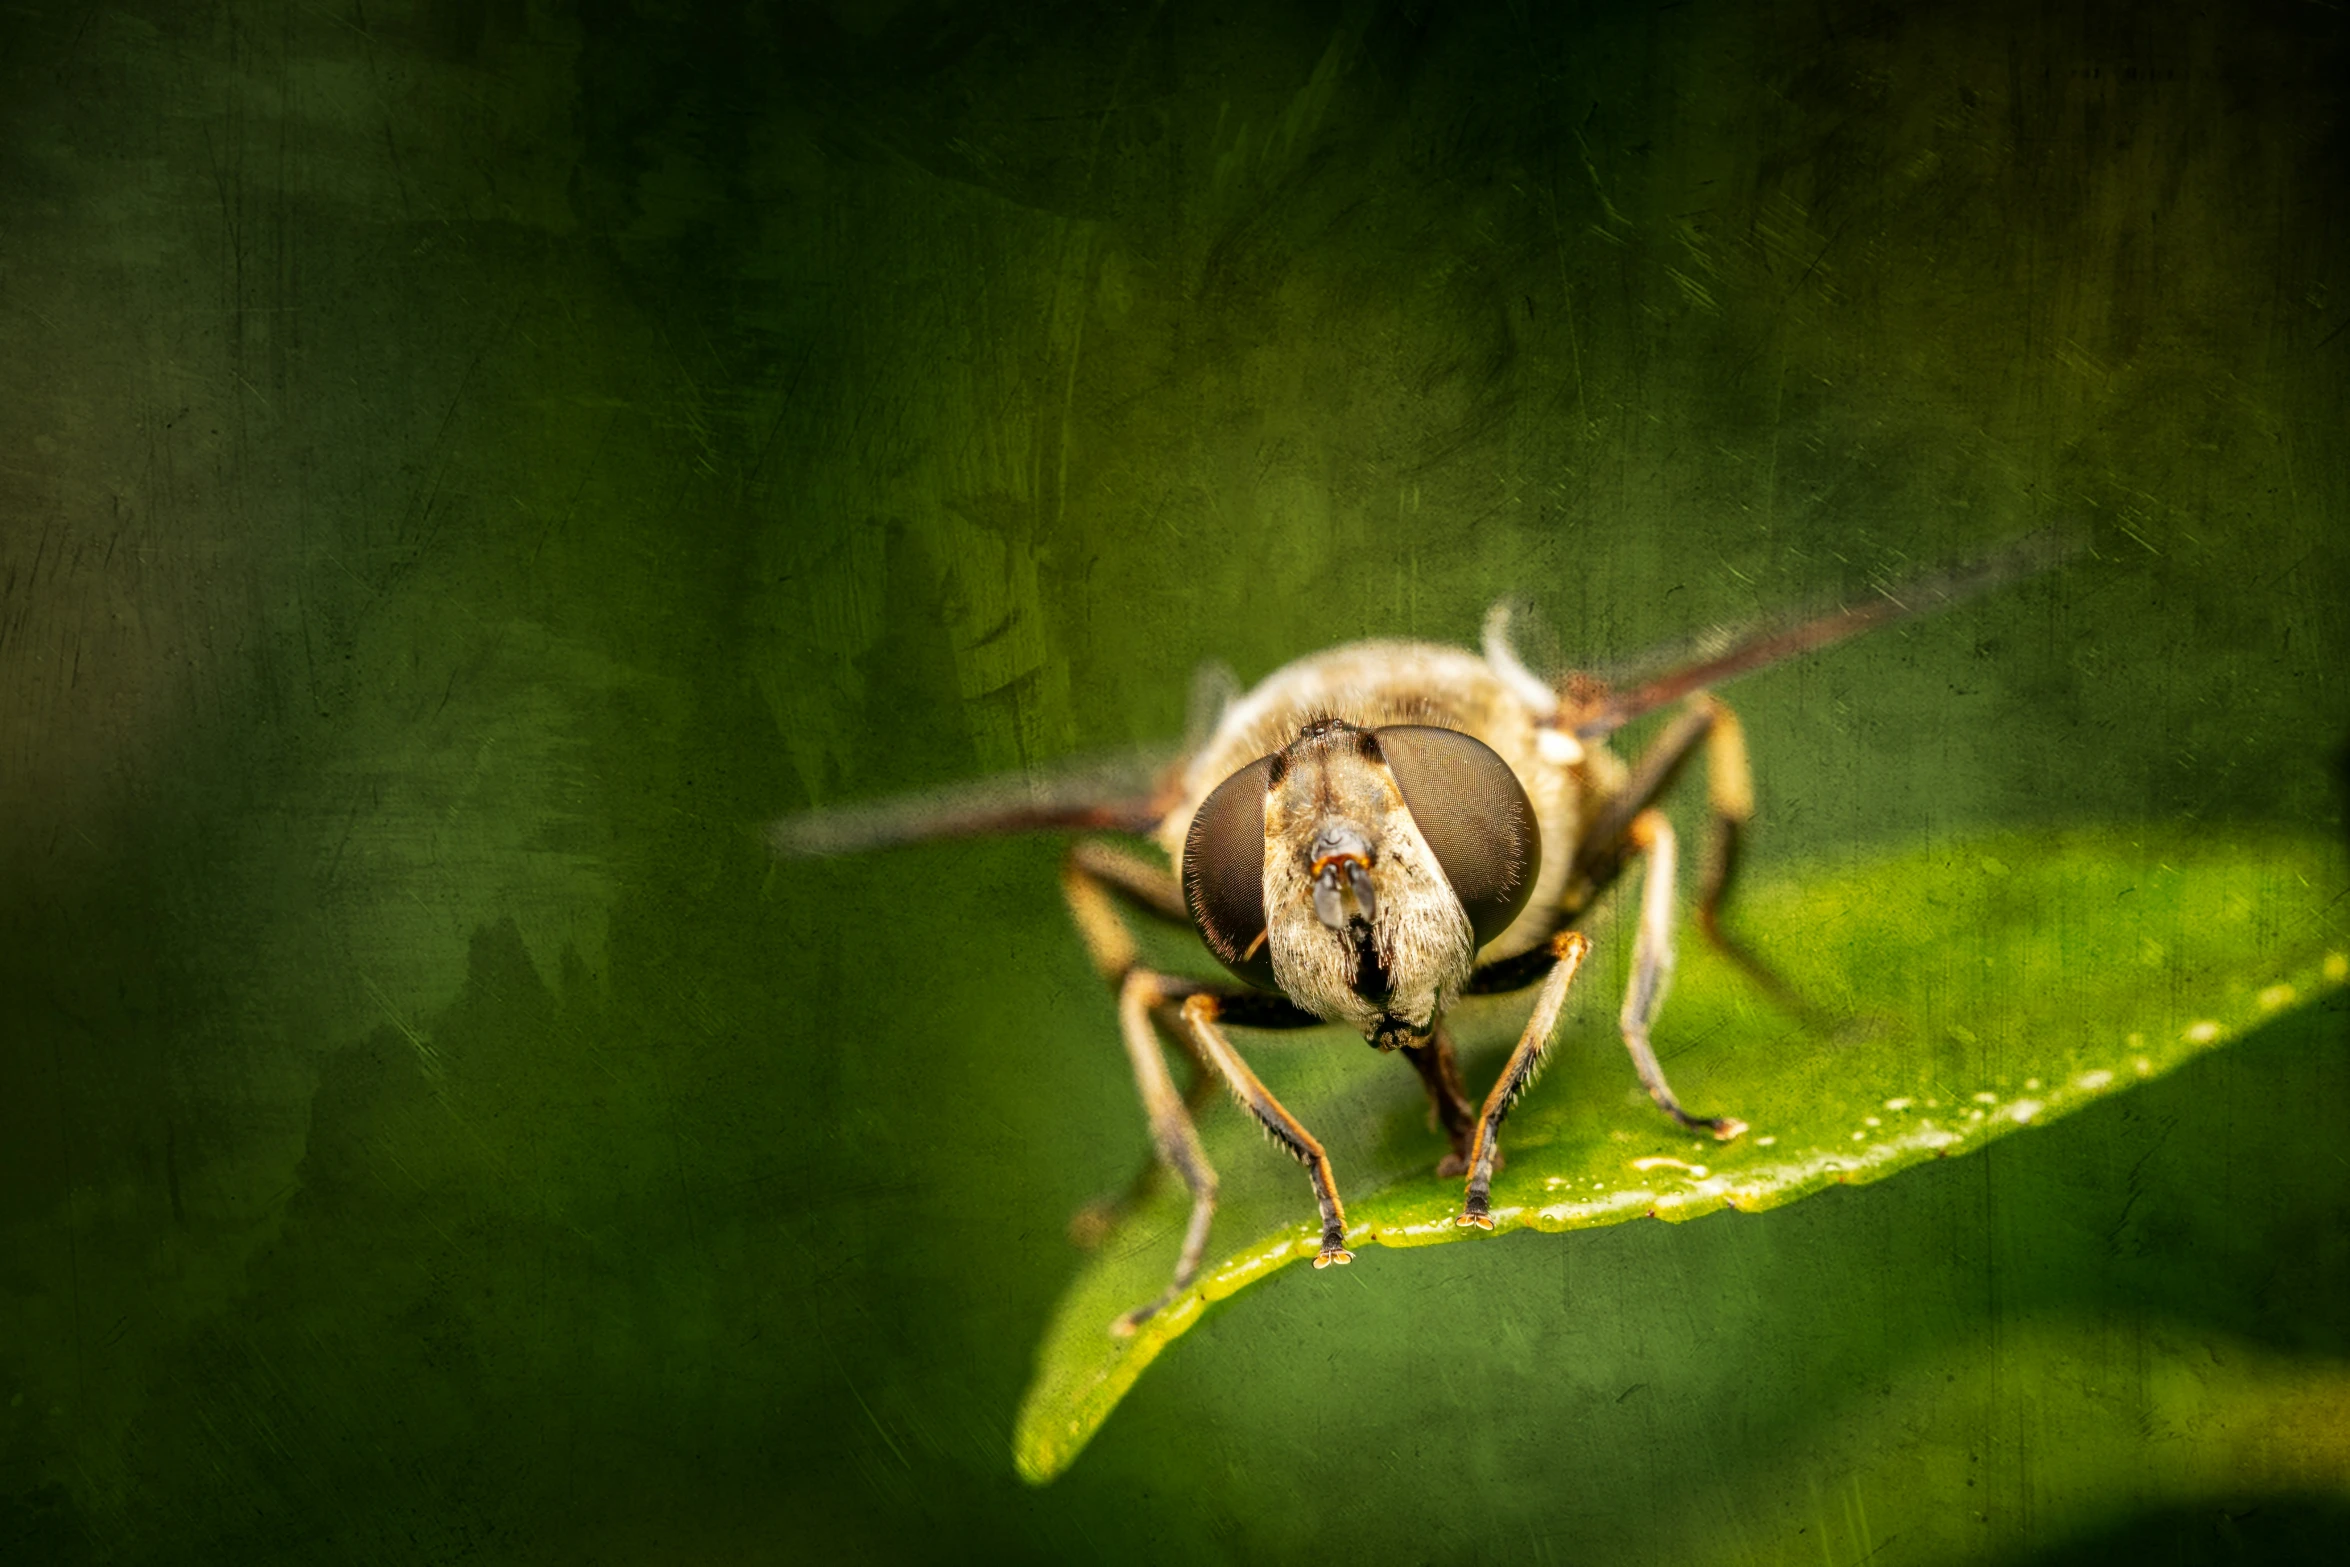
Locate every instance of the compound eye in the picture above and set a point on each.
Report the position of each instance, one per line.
(1224, 874)
(1476, 818)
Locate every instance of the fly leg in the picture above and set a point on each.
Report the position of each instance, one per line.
(1708, 723)
(1095, 879)
(1172, 1132)
(1651, 836)
(1200, 1013)
(1142, 995)
(1448, 1103)
(1729, 789)
(1565, 952)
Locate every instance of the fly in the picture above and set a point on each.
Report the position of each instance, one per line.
(1374, 832)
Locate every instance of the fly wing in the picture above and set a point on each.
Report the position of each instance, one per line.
(1127, 792)
(1602, 708)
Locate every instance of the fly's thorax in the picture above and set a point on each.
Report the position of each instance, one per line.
(1362, 924)
(1368, 684)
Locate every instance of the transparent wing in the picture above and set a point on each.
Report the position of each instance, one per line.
(1127, 792)
(1602, 706)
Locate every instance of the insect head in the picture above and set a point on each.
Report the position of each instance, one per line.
(1359, 870)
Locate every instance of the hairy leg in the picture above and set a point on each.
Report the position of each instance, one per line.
(1199, 1016)
(1566, 951)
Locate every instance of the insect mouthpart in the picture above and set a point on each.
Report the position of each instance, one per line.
(1342, 878)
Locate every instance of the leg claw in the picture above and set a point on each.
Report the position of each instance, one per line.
(1474, 1221)
(1331, 1254)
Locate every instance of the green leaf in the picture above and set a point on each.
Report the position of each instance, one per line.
(1983, 986)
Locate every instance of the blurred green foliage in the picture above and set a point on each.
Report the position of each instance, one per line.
(465, 464)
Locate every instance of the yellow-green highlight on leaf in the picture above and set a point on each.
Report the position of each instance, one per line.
(1981, 986)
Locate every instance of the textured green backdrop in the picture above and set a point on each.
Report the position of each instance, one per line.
(466, 463)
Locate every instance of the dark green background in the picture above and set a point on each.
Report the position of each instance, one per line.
(464, 464)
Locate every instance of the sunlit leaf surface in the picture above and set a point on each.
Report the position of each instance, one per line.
(1975, 988)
